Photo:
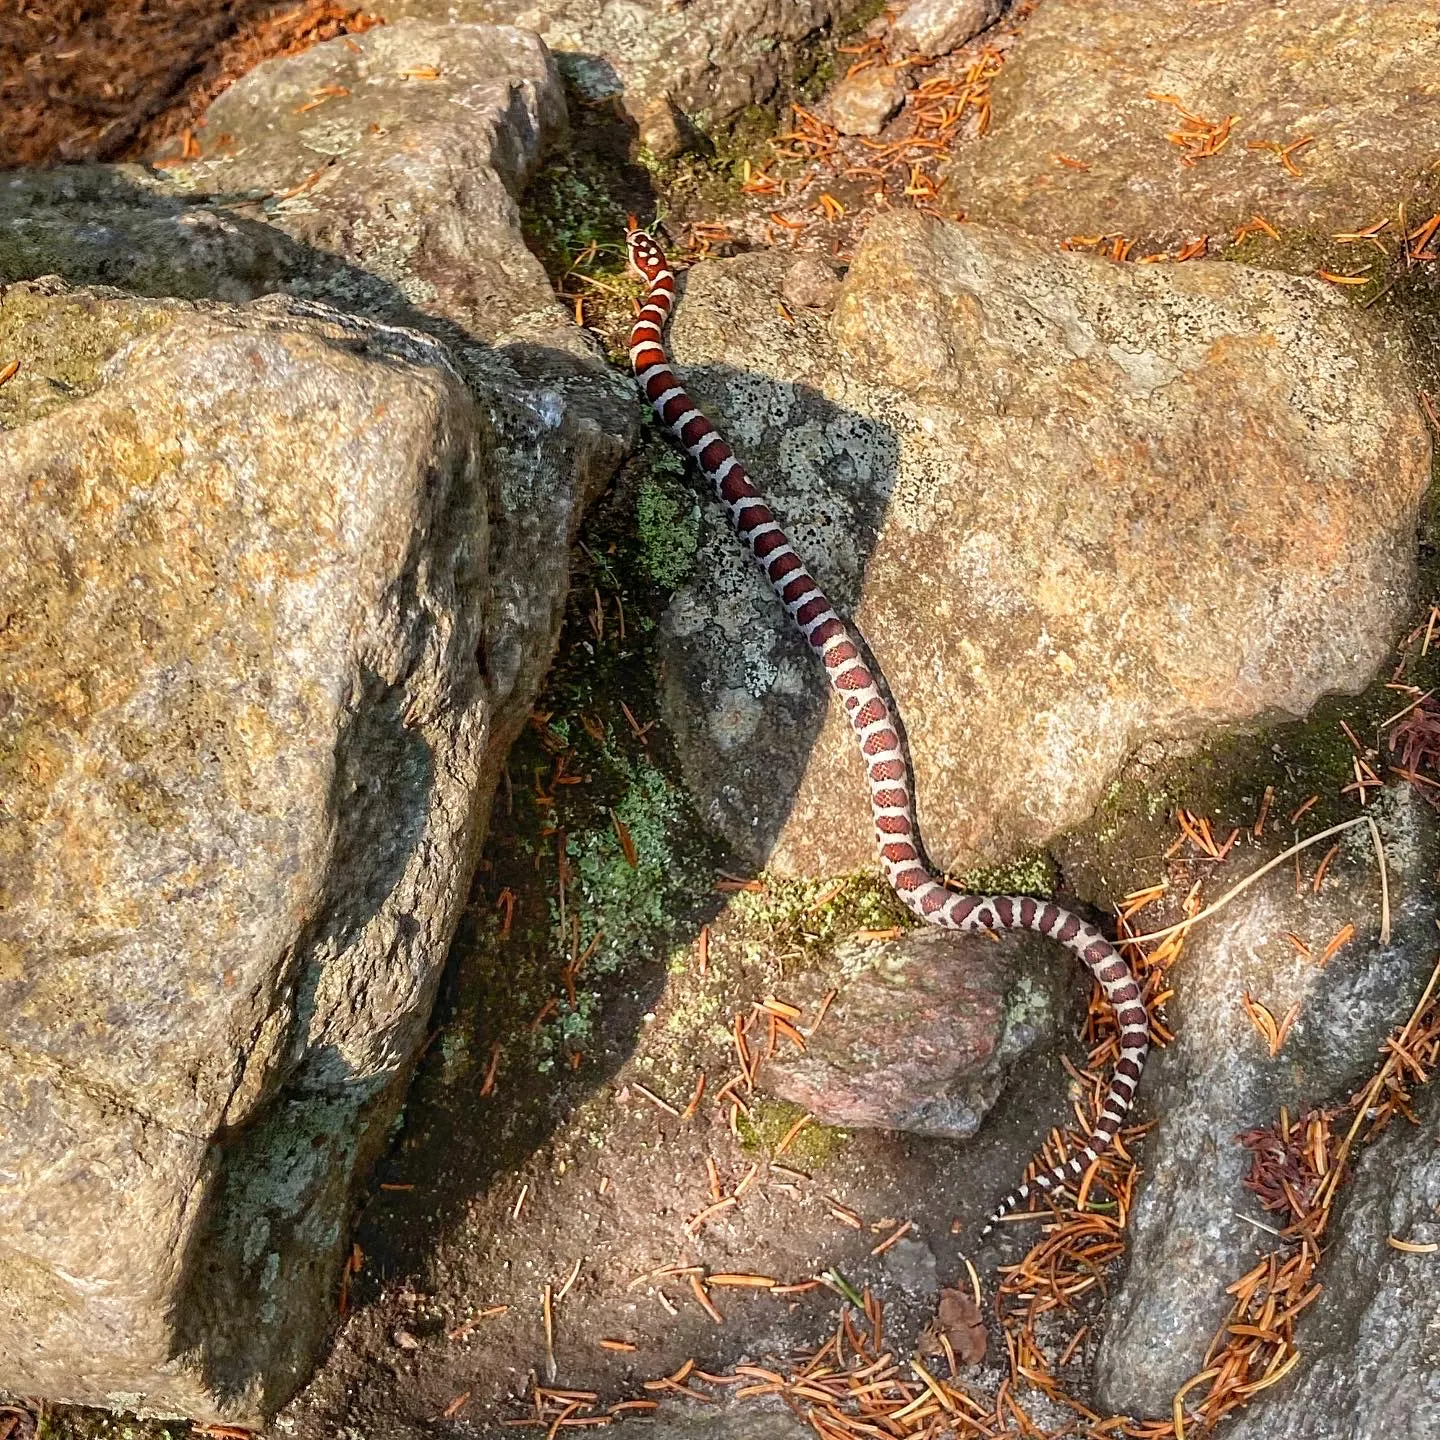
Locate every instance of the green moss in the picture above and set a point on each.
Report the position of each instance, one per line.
(748, 134)
(636, 907)
(667, 519)
(1308, 252)
(812, 915)
(770, 1121)
(68, 1424)
(571, 1032)
(572, 205)
(573, 217)
(1029, 874)
(816, 68)
(858, 17)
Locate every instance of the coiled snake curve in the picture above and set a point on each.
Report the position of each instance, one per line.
(891, 784)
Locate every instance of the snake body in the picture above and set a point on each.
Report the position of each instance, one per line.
(887, 770)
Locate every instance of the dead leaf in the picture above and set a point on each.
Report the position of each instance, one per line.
(960, 1321)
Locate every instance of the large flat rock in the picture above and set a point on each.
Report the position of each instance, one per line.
(244, 751)
(710, 58)
(400, 204)
(1359, 78)
(1192, 1229)
(1073, 506)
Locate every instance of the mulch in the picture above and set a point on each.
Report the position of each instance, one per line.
(106, 80)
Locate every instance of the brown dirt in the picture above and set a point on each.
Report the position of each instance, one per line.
(109, 79)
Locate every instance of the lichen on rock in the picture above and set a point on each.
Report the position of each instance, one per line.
(1073, 507)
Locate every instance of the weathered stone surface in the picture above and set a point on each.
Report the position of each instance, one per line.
(1072, 505)
(244, 755)
(921, 1031)
(1188, 1240)
(712, 58)
(411, 219)
(1357, 77)
(811, 282)
(936, 27)
(286, 585)
(410, 168)
(1371, 1369)
(663, 130)
(861, 104)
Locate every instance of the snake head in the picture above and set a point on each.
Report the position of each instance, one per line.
(646, 257)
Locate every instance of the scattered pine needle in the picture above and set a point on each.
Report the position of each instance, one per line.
(1249, 880)
(792, 1134)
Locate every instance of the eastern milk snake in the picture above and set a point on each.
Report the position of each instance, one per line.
(891, 785)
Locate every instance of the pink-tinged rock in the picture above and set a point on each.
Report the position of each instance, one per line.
(920, 1032)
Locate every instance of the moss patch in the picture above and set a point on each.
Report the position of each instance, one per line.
(811, 916)
(66, 1424)
(770, 1121)
(1030, 874)
(667, 519)
(630, 895)
(573, 217)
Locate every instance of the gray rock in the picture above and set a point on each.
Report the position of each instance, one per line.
(245, 756)
(1187, 1235)
(921, 1032)
(812, 283)
(281, 589)
(410, 169)
(413, 220)
(861, 104)
(1372, 1341)
(713, 58)
(911, 1266)
(1078, 84)
(1073, 506)
(936, 27)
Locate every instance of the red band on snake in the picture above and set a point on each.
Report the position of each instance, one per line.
(891, 786)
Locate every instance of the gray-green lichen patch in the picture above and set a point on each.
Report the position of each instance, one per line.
(636, 879)
(1033, 635)
(667, 520)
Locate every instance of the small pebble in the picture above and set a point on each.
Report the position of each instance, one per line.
(810, 284)
(861, 104)
(936, 27)
(663, 131)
